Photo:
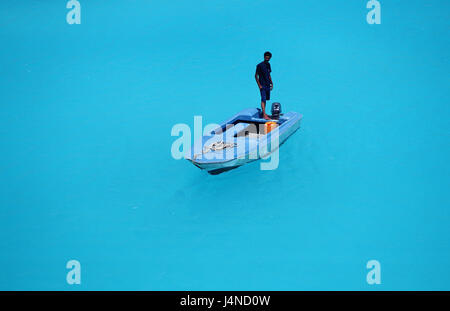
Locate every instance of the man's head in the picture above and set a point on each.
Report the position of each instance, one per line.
(267, 56)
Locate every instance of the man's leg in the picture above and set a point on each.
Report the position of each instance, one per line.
(267, 98)
(263, 107)
(263, 103)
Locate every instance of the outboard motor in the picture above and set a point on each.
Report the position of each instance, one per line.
(276, 110)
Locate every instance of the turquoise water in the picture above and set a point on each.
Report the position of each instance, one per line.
(87, 173)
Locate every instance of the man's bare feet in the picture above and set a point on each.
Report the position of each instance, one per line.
(265, 116)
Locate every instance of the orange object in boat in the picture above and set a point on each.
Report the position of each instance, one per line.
(269, 126)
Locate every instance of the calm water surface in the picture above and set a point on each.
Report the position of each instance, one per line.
(87, 174)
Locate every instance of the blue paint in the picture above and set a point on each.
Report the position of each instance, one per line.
(242, 139)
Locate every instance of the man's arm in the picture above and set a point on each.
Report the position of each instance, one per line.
(270, 77)
(257, 79)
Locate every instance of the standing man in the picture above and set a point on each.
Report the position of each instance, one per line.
(262, 77)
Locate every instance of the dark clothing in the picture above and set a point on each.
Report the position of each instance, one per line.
(263, 71)
(265, 93)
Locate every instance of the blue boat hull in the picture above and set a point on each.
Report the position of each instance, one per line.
(242, 130)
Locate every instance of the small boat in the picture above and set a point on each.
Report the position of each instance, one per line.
(243, 138)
